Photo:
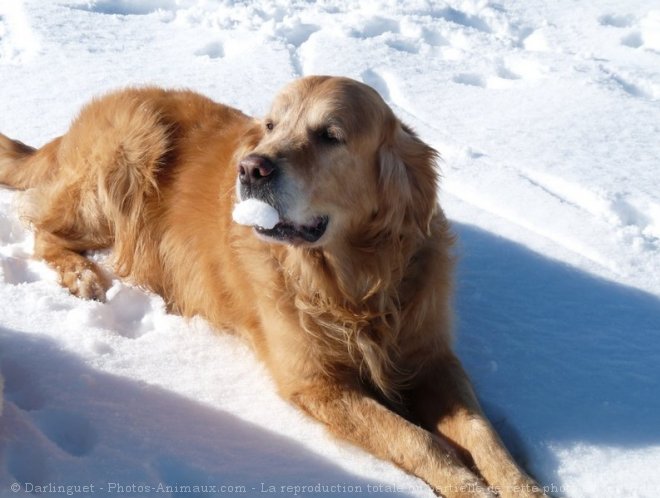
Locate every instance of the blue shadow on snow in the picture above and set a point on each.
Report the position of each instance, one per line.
(119, 430)
(557, 355)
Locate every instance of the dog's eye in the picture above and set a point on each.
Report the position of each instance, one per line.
(269, 125)
(330, 136)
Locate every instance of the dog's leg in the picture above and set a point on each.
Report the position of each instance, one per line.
(445, 403)
(352, 415)
(77, 273)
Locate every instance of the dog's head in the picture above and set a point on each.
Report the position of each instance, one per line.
(335, 162)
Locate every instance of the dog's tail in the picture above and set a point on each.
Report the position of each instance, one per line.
(22, 166)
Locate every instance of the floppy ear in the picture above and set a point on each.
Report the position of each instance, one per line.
(408, 178)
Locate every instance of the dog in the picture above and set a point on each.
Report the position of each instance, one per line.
(347, 300)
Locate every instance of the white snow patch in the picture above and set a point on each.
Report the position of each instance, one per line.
(253, 212)
(18, 42)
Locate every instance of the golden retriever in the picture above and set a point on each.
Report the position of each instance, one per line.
(346, 300)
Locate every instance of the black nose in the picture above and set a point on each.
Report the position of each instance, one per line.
(255, 170)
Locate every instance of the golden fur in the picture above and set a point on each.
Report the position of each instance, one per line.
(354, 326)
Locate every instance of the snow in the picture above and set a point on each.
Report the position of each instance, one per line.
(253, 212)
(547, 115)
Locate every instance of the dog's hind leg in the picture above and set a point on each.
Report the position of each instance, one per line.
(67, 220)
(53, 213)
(75, 272)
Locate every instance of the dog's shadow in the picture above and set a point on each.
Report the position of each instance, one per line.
(67, 424)
(558, 356)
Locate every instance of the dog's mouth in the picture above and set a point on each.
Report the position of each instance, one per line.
(293, 233)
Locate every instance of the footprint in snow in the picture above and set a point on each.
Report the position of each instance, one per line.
(505, 72)
(374, 26)
(294, 34)
(634, 86)
(11, 229)
(389, 88)
(434, 38)
(72, 432)
(176, 472)
(128, 8)
(456, 16)
(643, 33)
(21, 387)
(213, 50)
(633, 39)
(376, 81)
(127, 312)
(616, 20)
(645, 219)
(26, 464)
(413, 38)
(470, 79)
(404, 45)
(16, 271)
(297, 33)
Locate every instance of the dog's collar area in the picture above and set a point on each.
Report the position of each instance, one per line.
(287, 231)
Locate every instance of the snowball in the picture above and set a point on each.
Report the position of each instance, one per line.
(253, 212)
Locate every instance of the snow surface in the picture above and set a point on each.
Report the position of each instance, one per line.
(547, 115)
(253, 212)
